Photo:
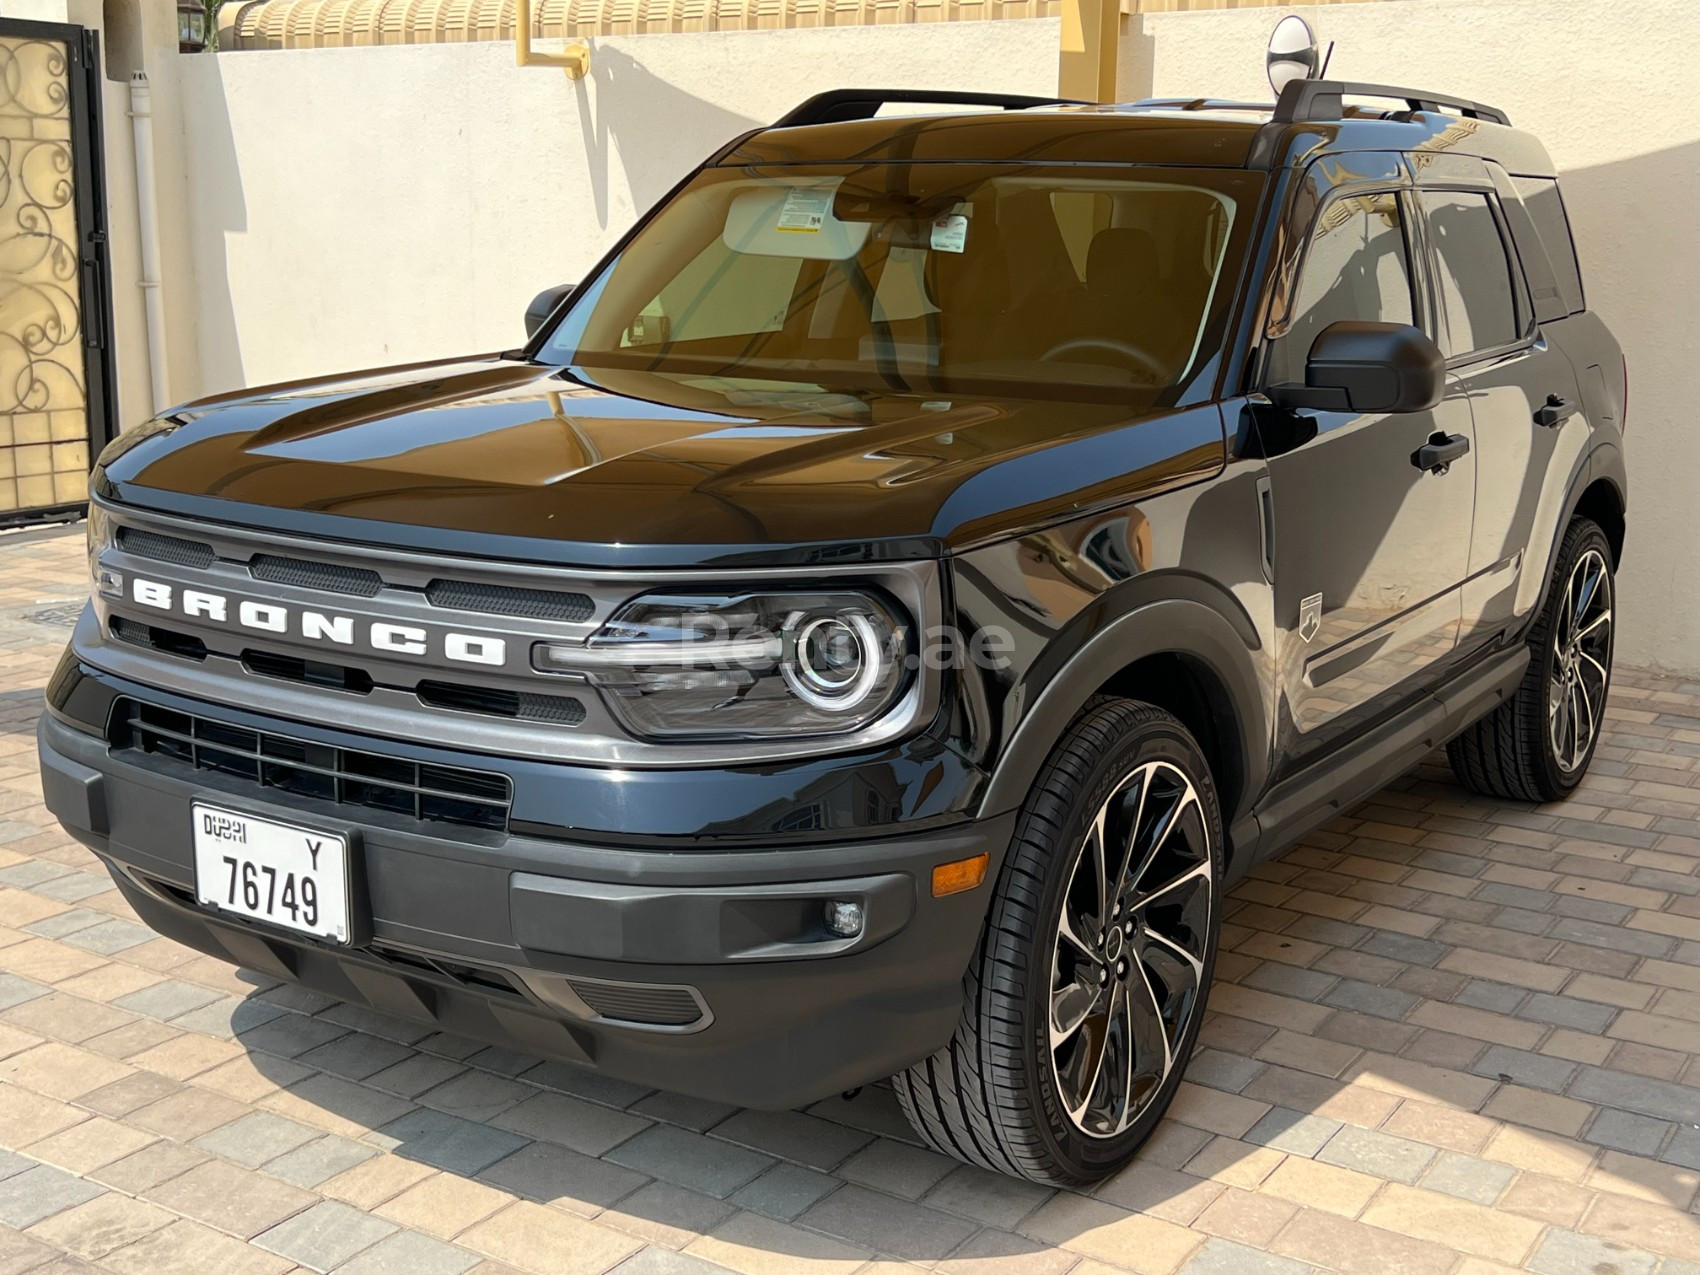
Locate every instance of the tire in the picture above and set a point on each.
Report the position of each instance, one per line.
(1534, 747)
(1002, 1094)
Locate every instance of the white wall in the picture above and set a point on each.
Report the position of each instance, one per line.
(34, 10)
(367, 205)
(1611, 87)
(356, 206)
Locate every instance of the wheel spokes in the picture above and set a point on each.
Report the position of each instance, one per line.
(1071, 1006)
(1576, 692)
(1082, 1073)
(1128, 963)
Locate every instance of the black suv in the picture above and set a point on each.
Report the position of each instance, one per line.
(865, 628)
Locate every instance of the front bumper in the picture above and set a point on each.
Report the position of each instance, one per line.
(703, 971)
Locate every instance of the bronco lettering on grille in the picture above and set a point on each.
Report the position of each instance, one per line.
(318, 626)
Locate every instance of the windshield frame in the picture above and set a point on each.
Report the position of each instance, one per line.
(1202, 380)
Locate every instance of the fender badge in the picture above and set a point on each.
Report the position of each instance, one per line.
(1310, 616)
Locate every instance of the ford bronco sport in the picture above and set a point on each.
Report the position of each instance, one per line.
(869, 623)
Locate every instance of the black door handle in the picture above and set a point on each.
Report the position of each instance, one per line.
(1556, 411)
(1439, 452)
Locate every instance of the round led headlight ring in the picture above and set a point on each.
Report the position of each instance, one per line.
(834, 661)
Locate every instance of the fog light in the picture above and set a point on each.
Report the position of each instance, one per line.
(844, 919)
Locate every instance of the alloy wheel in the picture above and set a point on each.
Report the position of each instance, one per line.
(1128, 962)
(1581, 662)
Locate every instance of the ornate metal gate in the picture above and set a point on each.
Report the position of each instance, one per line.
(55, 323)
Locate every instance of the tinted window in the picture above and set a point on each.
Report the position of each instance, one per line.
(1474, 280)
(1546, 209)
(1356, 268)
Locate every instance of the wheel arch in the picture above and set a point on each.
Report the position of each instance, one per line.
(1181, 653)
(1598, 491)
(1603, 503)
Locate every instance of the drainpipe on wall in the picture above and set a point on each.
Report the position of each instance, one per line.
(147, 217)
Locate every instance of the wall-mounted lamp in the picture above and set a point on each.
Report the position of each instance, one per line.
(574, 59)
(191, 26)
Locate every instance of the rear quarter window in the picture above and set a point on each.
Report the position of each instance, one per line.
(1540, 196)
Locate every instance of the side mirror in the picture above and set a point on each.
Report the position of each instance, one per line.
(1368, 367)
(543, 305)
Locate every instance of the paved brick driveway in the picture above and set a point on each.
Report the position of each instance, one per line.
(1448, 1036)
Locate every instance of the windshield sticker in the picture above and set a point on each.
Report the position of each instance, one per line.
(806, 209)
(950, 233)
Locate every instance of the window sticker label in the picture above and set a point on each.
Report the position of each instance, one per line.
(950, 233)
(806, 209)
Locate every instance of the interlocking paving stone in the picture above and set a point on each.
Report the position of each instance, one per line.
(15, 990)
(1292, 1131)
(785, 1190)
(167, 1000)
(1224, 1257)
(1567, 1253)
(445, 1141)
(552, 1174)
(256, 1138)
(317, 1161)
(1380, 1154)
(324, 1236)
(690, 1159)
(410, 1253)
(40, 1192)
(1625, 1131)
(1524, 1067)
(1479, 1181)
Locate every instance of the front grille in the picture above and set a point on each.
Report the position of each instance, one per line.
(150, 544)
(502, 599)
(646, 1003)
(135, 633)
(557, 710)
(326, 576)
(346, 776)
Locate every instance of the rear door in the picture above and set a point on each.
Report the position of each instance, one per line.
(1368, 551)
(1499, 355)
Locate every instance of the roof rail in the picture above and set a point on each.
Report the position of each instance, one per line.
(1303, 101)
(836, 105)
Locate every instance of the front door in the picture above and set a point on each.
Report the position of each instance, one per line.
(1368, 552)
(55, 383)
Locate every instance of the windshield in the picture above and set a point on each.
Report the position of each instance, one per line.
(1085, 282)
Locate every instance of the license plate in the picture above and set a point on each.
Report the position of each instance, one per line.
(276, 872)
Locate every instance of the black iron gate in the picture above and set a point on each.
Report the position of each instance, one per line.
(57, 391)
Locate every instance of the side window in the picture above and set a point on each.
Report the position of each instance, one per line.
(1546, 209)
(1475, 281)
(1355, 268)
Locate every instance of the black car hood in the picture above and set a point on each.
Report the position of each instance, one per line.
(637, 467)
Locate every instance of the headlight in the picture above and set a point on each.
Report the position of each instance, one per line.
(743, 666)
(104, 580)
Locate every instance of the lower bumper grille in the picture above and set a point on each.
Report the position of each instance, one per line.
(428, 793)
(647, 1004)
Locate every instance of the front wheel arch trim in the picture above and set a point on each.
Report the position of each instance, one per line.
(1190, 629)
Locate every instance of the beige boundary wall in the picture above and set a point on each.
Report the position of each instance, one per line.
(336, 207)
